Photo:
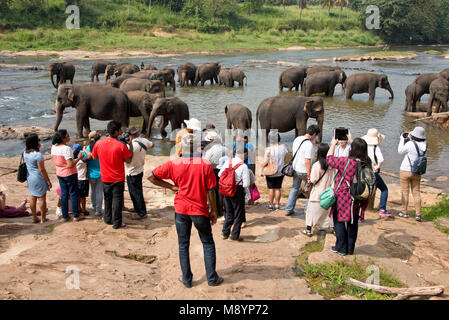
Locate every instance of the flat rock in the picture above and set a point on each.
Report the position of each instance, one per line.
(288, 64)
(294, 48)
(7, 133)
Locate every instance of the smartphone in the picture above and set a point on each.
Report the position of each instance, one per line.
(341, 133)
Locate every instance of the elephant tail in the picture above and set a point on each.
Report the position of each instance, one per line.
(246, 80)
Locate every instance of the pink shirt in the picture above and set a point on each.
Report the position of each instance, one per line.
(60, 154)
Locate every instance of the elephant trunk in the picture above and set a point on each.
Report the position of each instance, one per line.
(320, 122)
(391, 91)
(59, 111)
(153, 115)
(52, 80)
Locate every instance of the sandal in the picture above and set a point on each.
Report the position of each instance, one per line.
(402, 215)
(307, 232)
(418, 218)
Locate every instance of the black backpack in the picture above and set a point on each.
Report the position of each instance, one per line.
(363, 183)
(419, 166)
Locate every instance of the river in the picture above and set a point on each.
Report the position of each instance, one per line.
(33, 103)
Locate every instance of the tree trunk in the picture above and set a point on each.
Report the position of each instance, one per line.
(284, 10)
(149, 5)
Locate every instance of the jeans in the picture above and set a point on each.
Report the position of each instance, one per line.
(380, 184)
(135, 190)
(69, 186)
(183, 228)
(113, 195)
(218, 196)
(96, 194)
(293, 196)
(346, 233)
(235, 213)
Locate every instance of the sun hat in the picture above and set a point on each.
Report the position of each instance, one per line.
(419, 132)
(193, 124)
(211, 135)
(373, 137)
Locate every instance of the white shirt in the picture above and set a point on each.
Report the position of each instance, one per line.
(306, 152)
(137, 163)
(214, 153)
(339, 152)
(81, 167)
(379, 156)
(410, 152)
(241, 174)
(278, 152)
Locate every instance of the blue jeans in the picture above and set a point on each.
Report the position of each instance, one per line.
(293, 196)
(380, 184)
(183, 228)
(69, 186)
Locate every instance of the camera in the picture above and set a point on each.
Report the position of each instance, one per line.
(341, 133)
(125, 138)
(405, 135)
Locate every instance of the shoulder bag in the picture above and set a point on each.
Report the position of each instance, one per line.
(22, 171)
(288, 169)
(271, 168)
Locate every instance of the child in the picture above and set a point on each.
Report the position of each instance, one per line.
(83, 182)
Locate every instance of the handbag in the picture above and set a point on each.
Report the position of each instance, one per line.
(255, 195)
(271, 168)
(22, 171)
(288, 169)
(309, 185)
(328, 197)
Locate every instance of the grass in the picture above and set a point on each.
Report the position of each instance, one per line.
(328, 280)
(436, 211)
(435, 52)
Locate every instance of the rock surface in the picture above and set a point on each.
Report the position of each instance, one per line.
(7, 133)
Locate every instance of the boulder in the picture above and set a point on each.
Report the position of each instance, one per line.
(7, 133)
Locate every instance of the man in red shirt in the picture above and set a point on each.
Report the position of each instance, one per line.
(194, 183)
(112, 154)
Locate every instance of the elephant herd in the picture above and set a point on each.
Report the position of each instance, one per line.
(435, 84)
(134, 92)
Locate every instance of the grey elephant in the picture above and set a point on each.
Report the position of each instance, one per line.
(173, 110)
(166, 76)
(225, 77)
(186, 72)
(445, 74)
(207, 71)
(150, 86)
(95, 101)
(119, 69)
(315, 69)
(421, 87)
(141, 104)
(439, 94)
(99, 67)
(286, 113)
(119, 80)
(323, 82)
(411, 97)
(149, 67)
(238, 116)
(144, 74)
(292, 78)
(64, 71)
(237, 75)
(366, 83)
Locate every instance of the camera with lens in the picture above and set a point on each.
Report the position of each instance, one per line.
(125, 138)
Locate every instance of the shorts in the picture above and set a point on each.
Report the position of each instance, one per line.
(83, 186)
(274, 182)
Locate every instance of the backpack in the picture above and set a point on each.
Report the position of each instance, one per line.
(363, 183)
(419, 166)
(226, 183)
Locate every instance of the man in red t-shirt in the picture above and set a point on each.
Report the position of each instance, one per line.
(194, 183)
(112, 154)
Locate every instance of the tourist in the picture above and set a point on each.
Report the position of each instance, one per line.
(66, 172)
(250, 156)
(346, 211)
(204, 143)
(343, 148)
(302, 164)
(213, 153)
(83, 183)
(408, 146)
(134, 172)
(278, 153)
(373, 138)
(321, 178)
(112, 154)
(192, 125)
(194, 183)
(93, 171)
(235, 206)
(12, 212)
(37, 178)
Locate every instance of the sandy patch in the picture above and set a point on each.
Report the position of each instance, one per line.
(294, 48)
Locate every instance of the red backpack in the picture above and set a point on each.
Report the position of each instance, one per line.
(226, 183)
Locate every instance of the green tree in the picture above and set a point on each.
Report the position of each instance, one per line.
(302, 5)
(253, 5)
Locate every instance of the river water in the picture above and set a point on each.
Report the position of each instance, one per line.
(33, 103)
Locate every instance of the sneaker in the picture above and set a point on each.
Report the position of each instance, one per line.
(97, 214)
(58, 212)
(277, 207)
(289, 213)
(137, 217)
(307, 232)
(402, 215)
(270, 207)
(243, 225)
(334, 249)
(217, 282)
(239, 239)
(361, 219)
(79, 218)
(418, 218)
(224, 237)
(384, 213)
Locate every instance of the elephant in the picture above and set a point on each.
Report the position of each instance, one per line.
(166, 77)
(150, 67)
(316, 69)
(238, 116)
(286, 113)
(173, 110)
(238, 76)
(445, 74)
(141, 104)
(150, 86)
(96, 101)
(439, 93)
(366, 83)
(225, 77)
(411, 93)
(323, 82)
(292, 78)
(207, 71)
(119, 80)
(64, 71)
(99, 67)
(119, 69)
(186, 72)
(171, 70)
(144, 74)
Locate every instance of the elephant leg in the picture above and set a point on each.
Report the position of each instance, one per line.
(86, 127)
(228, 124)
(297, 87)
(164, 124)
(202, 83)
(444, 107)
(372, 93)
(430, 104)
(331, 92)
(216, 79)
(79, 124)
(349, 94)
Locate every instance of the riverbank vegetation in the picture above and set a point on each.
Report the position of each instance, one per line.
(436, 212)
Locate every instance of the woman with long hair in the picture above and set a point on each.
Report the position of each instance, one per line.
(346, 211)
(66, 172)
(321, 177)
(37, 178)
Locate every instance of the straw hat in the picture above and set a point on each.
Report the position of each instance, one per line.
(373, 137)
(193, 124)
(419, 132)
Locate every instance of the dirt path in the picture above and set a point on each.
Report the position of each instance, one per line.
(141, 260)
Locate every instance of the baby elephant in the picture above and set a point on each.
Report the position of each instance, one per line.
(238, 116)
(439, 93)
(323, 82)
(366, 83)
(411, 97)
(141, 104)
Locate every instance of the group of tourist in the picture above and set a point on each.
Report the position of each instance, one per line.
(212, 182)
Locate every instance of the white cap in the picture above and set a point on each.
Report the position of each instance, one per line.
(193, 124)
(211, 135)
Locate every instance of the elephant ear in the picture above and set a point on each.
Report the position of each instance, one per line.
(226, 110)
(308, 107)
(71, 94)
(382, 80)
